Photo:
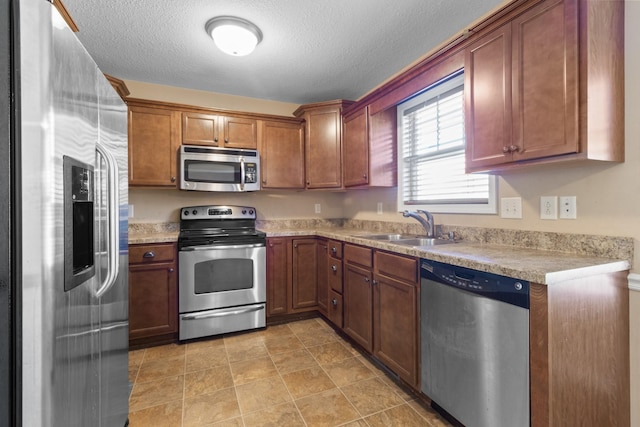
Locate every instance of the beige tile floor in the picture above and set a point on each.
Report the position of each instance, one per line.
(297, 374)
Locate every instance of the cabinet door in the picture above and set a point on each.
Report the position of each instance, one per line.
(154, 137)
(356, 149)
(487, 88)
(282, 155)
(383, 149)
(153, 301)
(545, 81)
(240, 132)
(200, 129)
(357, 297)
(323, 148)
(278, 275)
(396, 317)
(304, 294)
(323, 276)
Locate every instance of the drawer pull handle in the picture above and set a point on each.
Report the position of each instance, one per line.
(334, 250)
(149, 254)
(171, 270)
(334, 268)
(334, 302)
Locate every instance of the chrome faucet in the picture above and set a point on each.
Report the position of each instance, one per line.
(428, 223)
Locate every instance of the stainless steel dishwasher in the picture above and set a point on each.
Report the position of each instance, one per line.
(474, 330)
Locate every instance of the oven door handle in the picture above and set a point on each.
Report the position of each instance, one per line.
(222, 313)
(208, 248)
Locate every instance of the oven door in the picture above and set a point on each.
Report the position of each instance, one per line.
(221, 276)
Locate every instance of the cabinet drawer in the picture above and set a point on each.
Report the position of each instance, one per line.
(335, 308)
(396, 266)
(335, 274)
(358, 255)
(335, 249)
(144, 254)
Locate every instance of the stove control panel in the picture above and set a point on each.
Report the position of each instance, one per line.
(217, 212)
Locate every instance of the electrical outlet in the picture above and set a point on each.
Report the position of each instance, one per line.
(317, 208)
(130, 211)
(379, 208)
(548, 207)
(568, 207)
(511, 207)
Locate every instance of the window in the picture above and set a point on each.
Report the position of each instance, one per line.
(431, 158)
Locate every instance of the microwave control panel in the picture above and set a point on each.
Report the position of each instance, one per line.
(250, 173)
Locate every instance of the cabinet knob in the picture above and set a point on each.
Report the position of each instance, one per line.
(171, 270)
(374, 282)
(364, 176)
(334, 250)
(505, 149)
(295, 246)
(173, 179)
(149, 254)
(215, 139)
(334, 268)
(226, 140)
(334, 302)
(366, 280)
(264, 181)
(514, 148)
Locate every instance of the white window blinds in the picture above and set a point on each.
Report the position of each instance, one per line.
(432, 156)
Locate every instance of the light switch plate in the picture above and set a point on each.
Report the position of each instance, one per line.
(548, 207)
(317, 208)
(511, 207)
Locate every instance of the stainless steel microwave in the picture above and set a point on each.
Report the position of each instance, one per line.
(219, 169)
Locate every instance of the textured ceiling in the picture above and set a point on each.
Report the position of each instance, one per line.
(312, 50)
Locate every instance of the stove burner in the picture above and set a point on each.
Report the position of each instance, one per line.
(218, 225)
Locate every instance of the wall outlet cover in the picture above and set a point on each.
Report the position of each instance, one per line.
(317, 208)
(548, 207)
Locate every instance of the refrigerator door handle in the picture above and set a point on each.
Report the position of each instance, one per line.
(112, 212)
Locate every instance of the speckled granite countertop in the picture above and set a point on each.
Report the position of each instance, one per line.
(153, 233)
(522, 255)
(536, 265)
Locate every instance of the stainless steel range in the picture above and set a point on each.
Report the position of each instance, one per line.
(222, 262)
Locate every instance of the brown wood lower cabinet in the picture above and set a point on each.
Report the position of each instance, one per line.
(153, 294)
(579, 343)
(292, 275)
(381, 307)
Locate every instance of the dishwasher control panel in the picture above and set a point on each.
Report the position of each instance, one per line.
(495, 286)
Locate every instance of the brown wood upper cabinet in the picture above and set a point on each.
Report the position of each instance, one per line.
(281, 154)
(528, 81)
(369, 148)
(154, 138)
(323, 142)
(219, 131)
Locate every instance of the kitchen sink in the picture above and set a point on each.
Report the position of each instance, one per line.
(393, 237)
(424, 241)
(406, 239)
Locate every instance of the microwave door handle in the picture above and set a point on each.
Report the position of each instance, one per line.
(242, 174)
(112, 213)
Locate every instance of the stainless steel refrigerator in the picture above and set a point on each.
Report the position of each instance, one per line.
(64, 216)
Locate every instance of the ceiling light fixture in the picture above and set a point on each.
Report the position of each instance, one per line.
(234, 36)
